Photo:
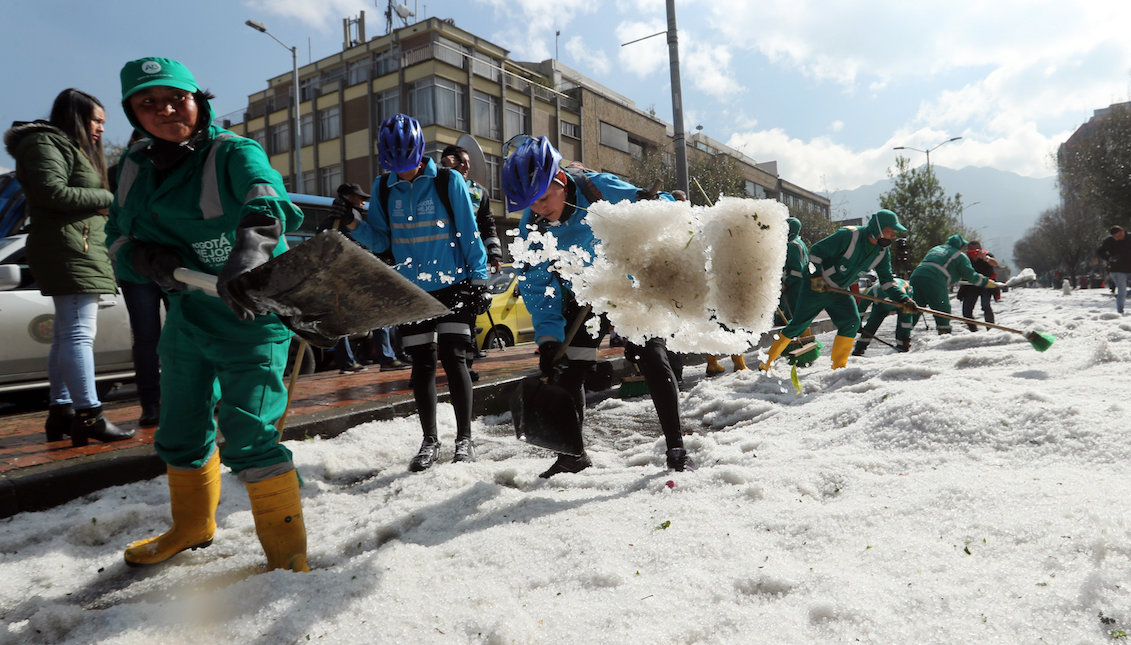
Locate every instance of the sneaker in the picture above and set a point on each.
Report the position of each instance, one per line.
(395, 365)
(429, 450)
(679, 460)
(350, 369)
(465, 451)
(567, 464)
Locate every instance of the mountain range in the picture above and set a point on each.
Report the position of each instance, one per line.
(1000, 205)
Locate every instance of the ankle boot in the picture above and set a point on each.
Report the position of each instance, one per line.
(193, 497)
(739, 361)
(277, 509)
(842, 347)
(775, 351)
(150, 414)
(59, 419)
(91, 424)
(713, 367)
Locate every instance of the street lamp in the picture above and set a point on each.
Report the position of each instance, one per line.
(258, 26)
(928, 152)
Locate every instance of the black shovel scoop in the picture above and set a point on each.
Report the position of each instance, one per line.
(544, 413)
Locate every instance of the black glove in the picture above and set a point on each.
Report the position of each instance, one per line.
(547, 356)
(256, 239)
(474, 297)
(157, 262)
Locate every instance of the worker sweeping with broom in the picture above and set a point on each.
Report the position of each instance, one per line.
(837, 261)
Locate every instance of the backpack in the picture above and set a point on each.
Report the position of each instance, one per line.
(578, 173)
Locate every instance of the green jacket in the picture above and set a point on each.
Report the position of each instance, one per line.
(841, 257)
(66, 243)
(196, 210)
(946, 264)
(796, 257)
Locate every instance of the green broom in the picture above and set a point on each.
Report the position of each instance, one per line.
(1040, 340)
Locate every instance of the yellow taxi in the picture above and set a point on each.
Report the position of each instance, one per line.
(507, 321)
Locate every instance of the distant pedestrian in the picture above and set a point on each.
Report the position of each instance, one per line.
(984, 263)
(1115, 250)
(61, 166)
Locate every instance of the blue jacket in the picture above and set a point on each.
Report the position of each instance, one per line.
(545, 293)
(427, 251)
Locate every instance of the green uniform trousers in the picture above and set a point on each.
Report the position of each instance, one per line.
(246, 378)
(934, 294)
(840, 307)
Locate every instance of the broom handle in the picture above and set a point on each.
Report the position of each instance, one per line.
(922, 309)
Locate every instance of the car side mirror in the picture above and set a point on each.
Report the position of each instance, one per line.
(9, 276)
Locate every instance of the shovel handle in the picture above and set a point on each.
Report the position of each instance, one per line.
(924, 310)
(203, 281)
(572, 331)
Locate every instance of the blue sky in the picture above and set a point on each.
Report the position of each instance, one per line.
(825, 88)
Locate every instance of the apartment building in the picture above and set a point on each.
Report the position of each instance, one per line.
(455, 82)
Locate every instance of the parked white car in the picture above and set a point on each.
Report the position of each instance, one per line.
(27, 319)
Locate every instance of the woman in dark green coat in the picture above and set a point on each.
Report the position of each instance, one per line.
(61, 167)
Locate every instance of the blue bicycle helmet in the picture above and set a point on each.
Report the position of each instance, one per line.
(400, 143)
(528, 171)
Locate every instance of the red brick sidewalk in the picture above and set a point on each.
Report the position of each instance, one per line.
(22, 442)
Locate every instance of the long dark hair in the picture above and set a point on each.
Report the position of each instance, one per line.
(71, 113)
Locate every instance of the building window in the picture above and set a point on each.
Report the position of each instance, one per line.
(358, 71)
(280, 137)
(485, 115)
(516, 120)
(259, 136)
(635, 149)
(385, 105)
(333, 75)
(495, 172)
(571, 129)
(485, 66)
(329, 178)
(306, 128)
(438, 101)
(386, 62)
(329, 123)
(449, 51)
(755, 190)
(309, 182)
(614, 137)
(308, 88)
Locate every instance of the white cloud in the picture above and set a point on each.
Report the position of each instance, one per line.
(595, 59)
(645, 58)
(836, 126)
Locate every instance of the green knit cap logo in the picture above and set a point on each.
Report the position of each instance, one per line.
(147, 72)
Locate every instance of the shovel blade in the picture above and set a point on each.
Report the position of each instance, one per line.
(336, 288)
(544, 415)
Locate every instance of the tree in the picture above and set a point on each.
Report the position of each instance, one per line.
(1094, 171)
(716, 175)
(1056, 242)
(814, 225)
(923, 207)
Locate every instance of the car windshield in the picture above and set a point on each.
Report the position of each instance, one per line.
(499, 282)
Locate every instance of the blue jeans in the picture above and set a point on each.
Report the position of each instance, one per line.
(343, 354)
(1120, 279)
(70, 363)
(143, 302)
(383, 345)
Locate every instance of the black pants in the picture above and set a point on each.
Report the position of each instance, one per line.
(663, 386)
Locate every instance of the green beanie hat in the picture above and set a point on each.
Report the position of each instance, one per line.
(148, 72)
(794, 226)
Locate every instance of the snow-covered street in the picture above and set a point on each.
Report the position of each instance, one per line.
(973, 490)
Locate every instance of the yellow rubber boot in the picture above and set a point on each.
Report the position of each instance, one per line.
(277, 509)
(775, 351)
(193, 497)
(713, 367)
(842, 347)
(739, 362)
